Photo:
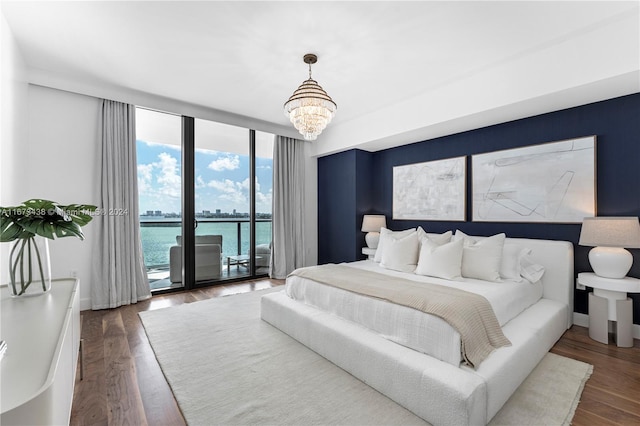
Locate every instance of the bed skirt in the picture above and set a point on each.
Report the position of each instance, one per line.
(438, 392)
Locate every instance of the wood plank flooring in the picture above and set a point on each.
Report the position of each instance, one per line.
(123, 383)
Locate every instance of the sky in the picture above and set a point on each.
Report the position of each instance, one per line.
(222, 180)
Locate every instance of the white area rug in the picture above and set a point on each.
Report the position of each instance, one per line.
(227, 366)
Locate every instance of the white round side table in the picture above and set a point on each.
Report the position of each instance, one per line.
(609, 302)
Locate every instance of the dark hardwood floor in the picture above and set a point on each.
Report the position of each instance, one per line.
(123, 383)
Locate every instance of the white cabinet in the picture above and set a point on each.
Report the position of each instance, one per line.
(38, 369)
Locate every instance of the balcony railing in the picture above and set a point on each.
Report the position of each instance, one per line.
(159, 235)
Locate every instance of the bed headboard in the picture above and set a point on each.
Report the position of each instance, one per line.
(557, 258)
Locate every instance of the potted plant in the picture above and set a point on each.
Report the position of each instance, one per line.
(31, 225)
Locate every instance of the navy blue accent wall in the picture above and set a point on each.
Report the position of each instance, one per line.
(344, 195)
(365, 196)
(615, 122)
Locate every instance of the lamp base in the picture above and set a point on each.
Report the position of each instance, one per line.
(610, 262)
(372, 239)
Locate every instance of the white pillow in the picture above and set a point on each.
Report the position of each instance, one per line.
(387, 235)
(531, 271)
(439, 239)
(511, 257)
(401, 254)
(481, 258)
(441, 261)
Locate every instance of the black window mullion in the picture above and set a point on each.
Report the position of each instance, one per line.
(188, 203)
(252, 201)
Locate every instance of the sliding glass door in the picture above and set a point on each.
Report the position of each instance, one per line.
(159, 156)
(214, 176)
(222, 193)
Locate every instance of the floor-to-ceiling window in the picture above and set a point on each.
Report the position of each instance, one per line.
(159, 155)
(232, 211)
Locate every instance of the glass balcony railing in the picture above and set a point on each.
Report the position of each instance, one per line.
(158, 235)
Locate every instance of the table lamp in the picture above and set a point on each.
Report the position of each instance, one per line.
(609, 237)
(371, 224)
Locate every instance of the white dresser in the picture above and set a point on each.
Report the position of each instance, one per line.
(38, 370)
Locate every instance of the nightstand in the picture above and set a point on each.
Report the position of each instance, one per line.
(609, 302)
(371, 252)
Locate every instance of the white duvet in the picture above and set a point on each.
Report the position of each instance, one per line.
(406, 326)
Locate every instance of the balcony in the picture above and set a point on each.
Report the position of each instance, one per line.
(159, 235)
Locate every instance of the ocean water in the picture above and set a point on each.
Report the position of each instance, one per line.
(157, 240)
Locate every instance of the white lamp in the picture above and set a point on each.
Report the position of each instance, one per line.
(371, 224)
(609, 236)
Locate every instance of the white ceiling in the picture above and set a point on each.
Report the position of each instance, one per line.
(400, 72)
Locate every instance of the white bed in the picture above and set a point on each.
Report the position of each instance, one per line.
(407, 326)
(434, 385)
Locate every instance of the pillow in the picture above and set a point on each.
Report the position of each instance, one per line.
(387, 235)
(481, 258)
(439, 239)
(441, 261)
(401, 254)
(511, 257)
(531, 271)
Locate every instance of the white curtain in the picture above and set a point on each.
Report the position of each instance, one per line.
(287, 252)
(119, 276)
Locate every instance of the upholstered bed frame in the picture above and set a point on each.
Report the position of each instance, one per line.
(434, 390)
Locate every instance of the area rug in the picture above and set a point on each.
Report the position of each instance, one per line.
(227, 366)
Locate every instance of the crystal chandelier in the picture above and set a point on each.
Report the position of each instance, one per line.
(310, 108)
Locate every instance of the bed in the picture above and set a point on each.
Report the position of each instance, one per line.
(419, 364)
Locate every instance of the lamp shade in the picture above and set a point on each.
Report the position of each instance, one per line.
(373, 222)
(621, 232)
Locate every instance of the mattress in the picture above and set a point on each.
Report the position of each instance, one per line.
(406, 326)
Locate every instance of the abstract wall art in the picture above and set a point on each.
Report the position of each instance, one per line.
(550, 182)
(434, 190)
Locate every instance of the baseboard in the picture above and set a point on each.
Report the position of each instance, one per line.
(85, 304)
(583, 321)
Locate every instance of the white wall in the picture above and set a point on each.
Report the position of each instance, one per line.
(13, 127)
(311, 206)
(47, 150)
(61, 160)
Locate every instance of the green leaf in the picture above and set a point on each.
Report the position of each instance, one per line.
(68, 229)
(11, 231)
(45, 218)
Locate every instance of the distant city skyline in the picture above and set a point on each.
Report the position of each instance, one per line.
(222, 180)
(203, 213)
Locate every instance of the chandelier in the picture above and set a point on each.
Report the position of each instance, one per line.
(310, 108)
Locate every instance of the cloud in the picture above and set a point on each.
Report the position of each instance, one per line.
(169, 179)
(159, 184)
(145, 172)
(229, 162)
(238, 193)
(207, 151)
(264, 202)
(177, 147)
(160, 178)
(226, 186)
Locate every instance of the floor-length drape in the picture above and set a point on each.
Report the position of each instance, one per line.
(119, 276)
(287, 252)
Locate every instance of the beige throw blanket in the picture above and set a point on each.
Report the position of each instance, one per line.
(469, 313)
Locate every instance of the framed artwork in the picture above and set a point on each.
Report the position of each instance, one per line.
(434, 190)
(551, 182)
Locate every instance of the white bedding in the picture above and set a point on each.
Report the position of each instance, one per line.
(409, 327)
